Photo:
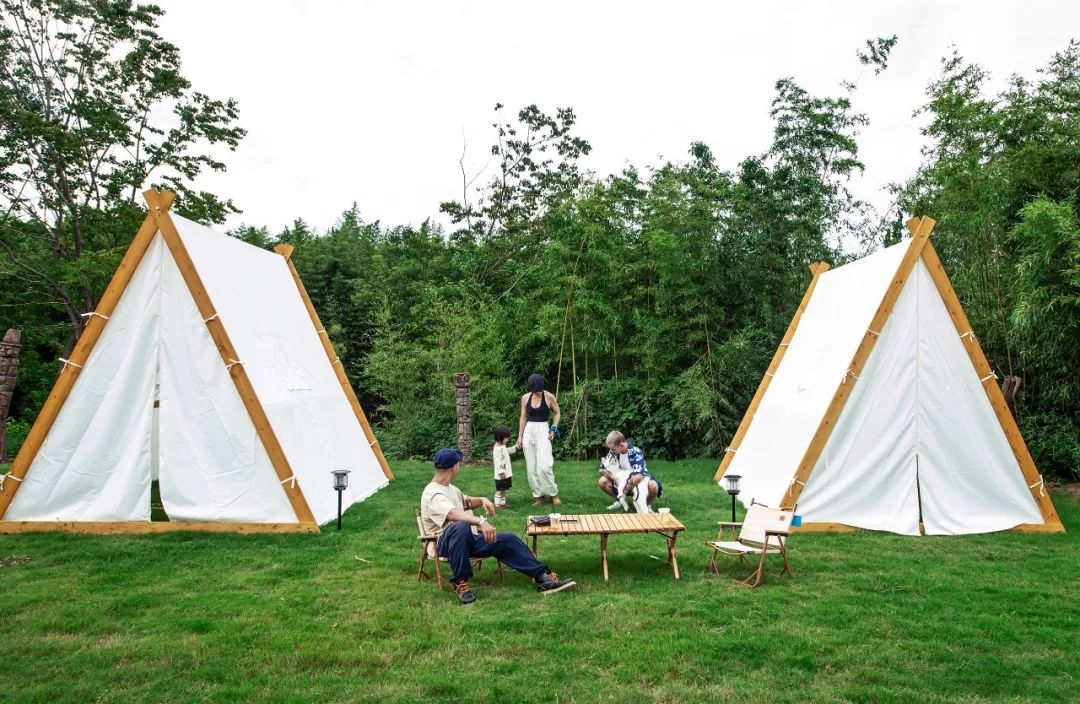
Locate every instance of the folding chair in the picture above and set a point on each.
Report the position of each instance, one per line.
(763, 531)
(428, 551)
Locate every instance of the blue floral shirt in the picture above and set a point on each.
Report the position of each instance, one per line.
(636, 457)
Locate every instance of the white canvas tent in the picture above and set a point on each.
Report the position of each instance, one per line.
(205, 367)
(879, 410)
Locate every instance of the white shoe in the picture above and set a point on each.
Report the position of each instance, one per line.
(616, 505)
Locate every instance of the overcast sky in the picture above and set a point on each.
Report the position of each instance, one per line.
(371, 102)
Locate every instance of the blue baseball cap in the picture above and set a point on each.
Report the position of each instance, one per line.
(446, 458)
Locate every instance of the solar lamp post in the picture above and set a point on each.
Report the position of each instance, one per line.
(341, 483)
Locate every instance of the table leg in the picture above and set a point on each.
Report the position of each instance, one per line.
(534, 546)
(671, 556)
(603, 554)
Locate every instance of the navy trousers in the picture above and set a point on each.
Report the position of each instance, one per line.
(457, 544)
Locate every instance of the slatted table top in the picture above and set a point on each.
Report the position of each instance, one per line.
(609, 523)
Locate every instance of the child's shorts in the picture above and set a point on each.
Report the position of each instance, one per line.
(504, 484)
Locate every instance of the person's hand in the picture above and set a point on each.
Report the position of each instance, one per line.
(489, 508)
(490, 534)
(551, 436)
(517, 445)
(502, 475)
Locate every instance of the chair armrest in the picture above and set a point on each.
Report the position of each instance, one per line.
(729, 524)
(779, 533)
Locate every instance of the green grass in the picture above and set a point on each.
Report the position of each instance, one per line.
(868, 617)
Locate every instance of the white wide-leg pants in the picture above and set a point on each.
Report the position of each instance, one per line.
(539, 462)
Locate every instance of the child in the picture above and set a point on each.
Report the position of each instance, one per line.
(501, 460)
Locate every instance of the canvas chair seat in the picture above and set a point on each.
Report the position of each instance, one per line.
(762, 532)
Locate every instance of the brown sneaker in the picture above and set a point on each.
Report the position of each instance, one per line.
(538, 502)
(556, 501)
(464, 594)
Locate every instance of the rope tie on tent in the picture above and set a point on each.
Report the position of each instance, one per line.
(1038, 484)
(875, 333)
(212, 317)
(851, 374)
(991, 375)
(969, 333)
(795, 480)
(785, 344)
(68, 361)
(5, 477)
(291, 481)
(92, 314)
(373, 443)
(336, 361)
(770, 374)
(729, 449)
(232, 363)
(321, 332)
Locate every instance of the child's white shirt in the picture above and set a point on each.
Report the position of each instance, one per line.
(500, 456)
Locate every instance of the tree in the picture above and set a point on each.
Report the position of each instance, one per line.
(83, 87)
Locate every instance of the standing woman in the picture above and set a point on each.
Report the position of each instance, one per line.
(535, 437)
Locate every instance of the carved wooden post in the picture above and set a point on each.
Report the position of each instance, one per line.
(9, 364)
(464, 415)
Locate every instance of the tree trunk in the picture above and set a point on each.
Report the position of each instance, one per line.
(464, 415)
(9, 365)
(1010, 386)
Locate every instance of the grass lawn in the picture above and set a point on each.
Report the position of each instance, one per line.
(867, 618)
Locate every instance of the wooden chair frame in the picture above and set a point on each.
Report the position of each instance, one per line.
(757, 577)
(428, 539)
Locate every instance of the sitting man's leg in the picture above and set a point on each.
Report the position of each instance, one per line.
(510, 550)
(607, 485)
(456, 544)
(654, 490)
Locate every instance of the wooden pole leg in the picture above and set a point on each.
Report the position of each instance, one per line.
(534, 546)
(671, 556)
(603, 554)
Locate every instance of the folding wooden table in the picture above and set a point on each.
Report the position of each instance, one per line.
(611, 524)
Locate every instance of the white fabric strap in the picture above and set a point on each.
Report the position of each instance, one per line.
(5, 477)
(290, 480)
(991, 375)
(851, 374)
(769, 374)
(212, 317)
(970, 334)
(875, 333)
(232, 363)
(1039, 484)
(68, 361)
(729, 449)
(94, 313)
(373, 443)
(336, 361)
(785, 344)
(322, 332)
(795, 480)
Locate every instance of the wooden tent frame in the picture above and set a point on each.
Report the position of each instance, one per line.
(919, 247)
(159, 220)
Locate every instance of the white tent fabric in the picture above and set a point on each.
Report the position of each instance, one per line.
(917, 434)
(257, 301)
(970, 479)
(97, 461)
(213, 464)
(815, 363)
(94, 464)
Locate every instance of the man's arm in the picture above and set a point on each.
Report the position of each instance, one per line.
(456, 514)
(637, 459)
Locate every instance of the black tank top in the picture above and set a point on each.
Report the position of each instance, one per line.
(538, 414)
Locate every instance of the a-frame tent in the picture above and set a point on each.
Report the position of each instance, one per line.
(205, 368)
(880, 411)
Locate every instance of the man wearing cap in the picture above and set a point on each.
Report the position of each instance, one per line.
(447, 513)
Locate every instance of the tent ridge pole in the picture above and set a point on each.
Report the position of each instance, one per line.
(228, 355)
(817, 269)
(286, 250)
(68, 375)
(920, 228)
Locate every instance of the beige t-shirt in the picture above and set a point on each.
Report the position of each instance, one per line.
(436, 502)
